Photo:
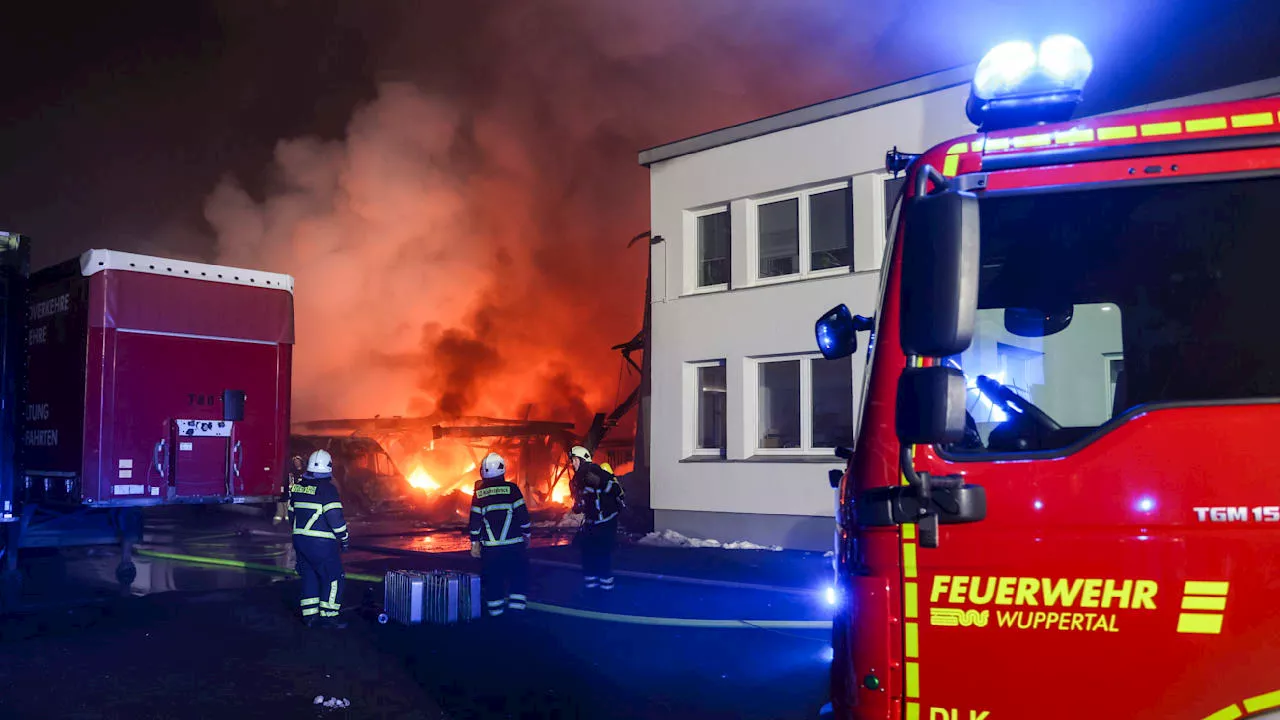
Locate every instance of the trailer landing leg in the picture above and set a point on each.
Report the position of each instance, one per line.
(10, 576)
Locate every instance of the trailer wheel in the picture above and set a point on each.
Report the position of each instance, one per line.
(383, 618)
(126, 573)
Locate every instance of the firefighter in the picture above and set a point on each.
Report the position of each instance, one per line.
(599, 497)
(500, 531)
(282, 507)
(319, 538)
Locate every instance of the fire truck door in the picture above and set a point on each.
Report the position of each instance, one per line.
(202, 457)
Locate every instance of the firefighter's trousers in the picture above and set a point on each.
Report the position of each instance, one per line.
(597, 543)
(504, 577)
(320, 567)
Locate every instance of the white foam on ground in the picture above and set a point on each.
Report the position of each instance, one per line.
(671, 538)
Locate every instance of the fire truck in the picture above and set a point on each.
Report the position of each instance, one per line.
(130, 381)
(1060, 503)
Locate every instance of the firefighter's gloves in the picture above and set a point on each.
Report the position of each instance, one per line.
(475, 549)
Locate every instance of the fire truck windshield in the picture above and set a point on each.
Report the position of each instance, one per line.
(1093, 302)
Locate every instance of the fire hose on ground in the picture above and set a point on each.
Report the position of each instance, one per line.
(541, 607)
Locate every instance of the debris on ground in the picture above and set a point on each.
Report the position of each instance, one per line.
(671, 538)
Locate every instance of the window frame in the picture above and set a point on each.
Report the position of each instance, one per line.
(806, 448)
(695, 216)
(695, 372)
(805, 260)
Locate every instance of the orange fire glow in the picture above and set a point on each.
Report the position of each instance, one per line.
(561, 493)
(420, 479)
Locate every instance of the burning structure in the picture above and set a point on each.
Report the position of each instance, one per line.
(427, 465)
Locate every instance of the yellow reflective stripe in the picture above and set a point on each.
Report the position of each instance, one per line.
(977, 145)
(1161, 128)
(313, 533)
(492, 543)
(476, 509)
(951, 165)
(310, 611)
(1074, 136)
(517, 503)
(1121, 132)
(1262, 702)
(1250, 120)
(1032, 140)
(304, 505)
(908, 531)
(331, 506)
(958, 148)
(913, 680)
(997, 143)
(1206, 124)
(1227, 713)
(909, 559)
(913, 711)
(913, 640)
(1191, 602)
(333, 594)
(1204, 587)
(1200, 624)
(911, 600)
(339, 530)
(310, 601)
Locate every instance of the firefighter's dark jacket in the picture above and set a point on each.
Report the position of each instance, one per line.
(316, 509)
(499, 516)
(597, 494)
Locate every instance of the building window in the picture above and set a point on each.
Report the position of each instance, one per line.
(805, 232)
(805, 404)
(713, 249)
(711, 424)
(832, 393)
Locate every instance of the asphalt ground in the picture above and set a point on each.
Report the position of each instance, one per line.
(199, 640)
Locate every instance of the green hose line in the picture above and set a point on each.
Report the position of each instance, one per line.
(542, 607)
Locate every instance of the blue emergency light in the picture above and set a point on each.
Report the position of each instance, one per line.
(1018, 84)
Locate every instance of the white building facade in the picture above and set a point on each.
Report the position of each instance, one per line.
(758, 229)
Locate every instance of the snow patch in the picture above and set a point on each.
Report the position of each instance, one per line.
(671, 538)
(332, 703)
(570, 520)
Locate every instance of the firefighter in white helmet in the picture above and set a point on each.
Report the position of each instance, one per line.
(599, 497)
(500, 531)
(319, 537)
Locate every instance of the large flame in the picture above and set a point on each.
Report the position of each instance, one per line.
(422, 480)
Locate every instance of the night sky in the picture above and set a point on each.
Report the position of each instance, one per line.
(119, 118)
(345, 141)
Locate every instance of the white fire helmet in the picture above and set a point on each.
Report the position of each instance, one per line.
(581, 453)
(493, 466)
(320, 463)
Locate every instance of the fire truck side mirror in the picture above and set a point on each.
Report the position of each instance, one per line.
(931, 406)
(939, 290)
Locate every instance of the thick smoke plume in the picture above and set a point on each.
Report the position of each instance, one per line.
(463, 249)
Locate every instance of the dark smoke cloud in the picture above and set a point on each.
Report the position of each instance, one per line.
(462, 248)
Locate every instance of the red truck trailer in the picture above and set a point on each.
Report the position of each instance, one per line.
(148, 381)
(1061, 503)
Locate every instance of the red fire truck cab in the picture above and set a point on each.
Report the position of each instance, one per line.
(1060, 503)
